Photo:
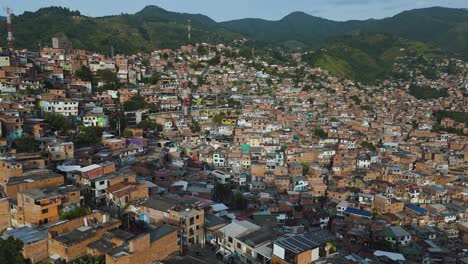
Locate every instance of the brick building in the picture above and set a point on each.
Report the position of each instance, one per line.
(37, 181)
(150, 247)
(4, 212)
(41, 206)
(69, 240)
(385, 204)
(34, 243)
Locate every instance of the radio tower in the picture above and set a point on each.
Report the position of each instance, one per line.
(9, 30)
(189, 30)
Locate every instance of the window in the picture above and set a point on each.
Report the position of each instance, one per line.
(197, 217)
(238, 245)
(45, 211)
(230, 239)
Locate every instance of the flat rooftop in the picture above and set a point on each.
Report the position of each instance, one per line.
(82, 233)
(32, 178)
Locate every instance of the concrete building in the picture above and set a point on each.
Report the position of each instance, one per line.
(65, 108)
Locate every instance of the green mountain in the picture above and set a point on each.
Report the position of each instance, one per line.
(445, 27)
(367, 57)
(154, 28)
(147, 30)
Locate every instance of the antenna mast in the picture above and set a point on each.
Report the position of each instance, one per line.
(9, 30)
(189, 30)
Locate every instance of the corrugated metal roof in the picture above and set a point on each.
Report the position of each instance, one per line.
(27, 234)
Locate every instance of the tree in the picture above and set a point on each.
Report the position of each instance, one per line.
(27, 144)
(85, 74)
(127, 133)
(356, 99)
(305, 168)
(320, 133)
(150, 80)
(222, 193)
(214, 61)
(452, 68)
(88, 136)
(58, 122)
(91, 260)
(75, 213)
(201, 50)
(240, 203)
(135, 102)
(10, 251)
(107, 75)
(217, 119)
(368, 145)
(147, 124)
(195, 128)
(383, 245)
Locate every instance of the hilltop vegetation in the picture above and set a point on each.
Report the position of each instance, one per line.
(145, 31)
(154, 28)
(444, 27)
(424, 92)
(367, 57)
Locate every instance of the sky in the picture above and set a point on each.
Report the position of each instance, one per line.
(223, 10)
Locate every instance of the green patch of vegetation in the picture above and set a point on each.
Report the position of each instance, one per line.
(135, 102)
(452, 130)
(425, 92)
(320, 133)
(217, 119)
(368, 145)
(88, 136)
(461, 117)
(75, 213)
(147, 124)
(10, 251)
(26, 144)
(356, 99)
(91, 260)
(367, 57)
(239, 201)
(195, 127)
(367, 108)
(57, 122)
(127, 134)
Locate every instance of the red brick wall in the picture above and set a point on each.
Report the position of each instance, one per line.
(36, 251)
(4, 213)
(158, 250)
(11, 190)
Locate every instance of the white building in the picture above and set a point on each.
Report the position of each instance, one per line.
(341, 207)
(221, 176)
(65, 108)
(93, 119)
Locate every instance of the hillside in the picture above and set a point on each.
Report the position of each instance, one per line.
(147, 30)
(154, 28)
(445, 27)
(367, 57)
